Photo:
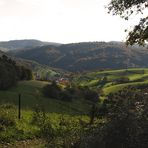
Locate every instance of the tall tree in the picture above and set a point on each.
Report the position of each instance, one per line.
(126, 8)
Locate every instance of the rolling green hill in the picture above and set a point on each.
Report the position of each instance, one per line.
(32, 95)
(73, 114)
(31, 90)
(113, 80)
(23, 44)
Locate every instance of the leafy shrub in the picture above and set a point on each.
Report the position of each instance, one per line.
(52, 90)
(91, 95)
(47, 131)
(68, 93)
(8, 129)
(7, 116)
(8, 106)
(103, 81)
(65, 133)
(39, 116)
(126, 122)
(55, 92)
(65, 95)
(122, 80)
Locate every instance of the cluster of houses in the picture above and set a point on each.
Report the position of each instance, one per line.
(58, 79)
(63, 81)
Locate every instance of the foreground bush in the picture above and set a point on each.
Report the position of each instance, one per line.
(66, 132)
(7, 116)
(126, 123)
(39, 116)
(8, 129)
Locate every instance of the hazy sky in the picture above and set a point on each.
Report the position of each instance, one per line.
(61, 21)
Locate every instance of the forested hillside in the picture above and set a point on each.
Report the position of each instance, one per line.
(44, 72)
(87, 56)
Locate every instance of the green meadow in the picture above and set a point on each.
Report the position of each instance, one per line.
(136, 77)
(31, 95)
(73, 111)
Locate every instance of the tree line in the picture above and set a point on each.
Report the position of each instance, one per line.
(11, 73)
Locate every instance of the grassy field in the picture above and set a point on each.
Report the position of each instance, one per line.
(136, 76)
(31, 95)
(31, 91)
(27, 133)
(77, 109)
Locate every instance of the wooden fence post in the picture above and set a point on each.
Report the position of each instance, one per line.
(19, 107)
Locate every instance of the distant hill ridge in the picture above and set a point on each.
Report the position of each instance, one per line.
(86, 56)
(23, 44)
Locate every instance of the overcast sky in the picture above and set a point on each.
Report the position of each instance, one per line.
(62, 21)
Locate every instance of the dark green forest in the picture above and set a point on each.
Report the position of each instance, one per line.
(10, 73)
